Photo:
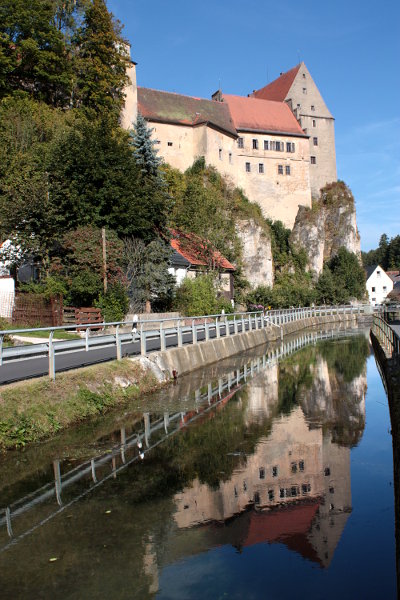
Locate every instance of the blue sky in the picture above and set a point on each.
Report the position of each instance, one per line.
(351, 48)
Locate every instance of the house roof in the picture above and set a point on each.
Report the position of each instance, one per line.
(394, 275)
(253, 114)
(194, 250)
(370, 269)
(168, 107)
(278, 90)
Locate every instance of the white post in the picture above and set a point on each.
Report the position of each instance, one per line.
(118, 343)
(52, 358)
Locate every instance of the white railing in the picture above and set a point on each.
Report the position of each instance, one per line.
(157, 334)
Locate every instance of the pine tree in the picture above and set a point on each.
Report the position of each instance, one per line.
(143, 148)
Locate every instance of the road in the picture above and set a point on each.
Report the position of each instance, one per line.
(26, 368)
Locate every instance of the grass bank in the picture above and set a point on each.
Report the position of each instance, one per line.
(33, 411)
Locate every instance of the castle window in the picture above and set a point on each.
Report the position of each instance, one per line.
(304, 90)
(287, 169)
(301, 465)
(240, 142)
(262, 473)
(230, 157)
(327, 471)
(255, 144)
(256, 498)
(169, 143)
(280, 169)
(274, 471)
(304, 75)
(305, 488)
(220, 154)
(373, 289)
(314, 123)
(271, 494)
(248, 167)
(313, 160)
(312, 107)
(384, 288)
(293, 467)
(261, 168)
(290, 147)
(266, 145)
(315, 141)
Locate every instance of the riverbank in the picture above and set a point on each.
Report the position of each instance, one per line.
(31, 411)
(35, 410)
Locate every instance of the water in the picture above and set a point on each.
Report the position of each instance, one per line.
(267, 476)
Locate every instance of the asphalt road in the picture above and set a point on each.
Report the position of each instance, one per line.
(36, 367)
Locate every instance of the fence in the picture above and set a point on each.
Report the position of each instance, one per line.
(165, 333)
(387, 336)
(31, 309)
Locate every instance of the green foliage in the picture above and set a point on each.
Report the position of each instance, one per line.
(387, 255)
(101, 61)
(143, 147)
(342, 279)
(197, 296)
(147, 273)
(114, 304)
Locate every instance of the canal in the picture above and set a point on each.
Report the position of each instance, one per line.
(269, 475)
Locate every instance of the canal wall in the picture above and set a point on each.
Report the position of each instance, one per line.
(180, 361)
(390, 373)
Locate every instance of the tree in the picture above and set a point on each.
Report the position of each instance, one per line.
(342, 279)
(33, 52)
(101, 61)
(147, 273)
(143, 148)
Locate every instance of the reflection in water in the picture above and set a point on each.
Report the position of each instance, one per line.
(261, 454)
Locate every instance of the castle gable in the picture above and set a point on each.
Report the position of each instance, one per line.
(262, 116)
(167, 107)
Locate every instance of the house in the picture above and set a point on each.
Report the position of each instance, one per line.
(276, 144)
(379, 284)
(193, 256)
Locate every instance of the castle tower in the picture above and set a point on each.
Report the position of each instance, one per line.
(129, 112)
(297, 88)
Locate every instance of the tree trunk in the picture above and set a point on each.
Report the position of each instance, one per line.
(148, 306)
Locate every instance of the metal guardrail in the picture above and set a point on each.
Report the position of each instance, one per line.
(184, 330)
(387, 336)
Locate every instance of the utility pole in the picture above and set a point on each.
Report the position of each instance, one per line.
(103, 235)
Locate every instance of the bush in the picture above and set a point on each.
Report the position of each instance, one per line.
(197, 296)
(114, 304)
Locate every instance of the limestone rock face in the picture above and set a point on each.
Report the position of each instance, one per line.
(327, 226)
(257, 253)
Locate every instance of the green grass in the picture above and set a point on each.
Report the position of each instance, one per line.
(58, 335)
(34, 411)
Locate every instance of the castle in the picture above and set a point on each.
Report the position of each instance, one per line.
(277, 144)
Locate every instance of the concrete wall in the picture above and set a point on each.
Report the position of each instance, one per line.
(189, 358)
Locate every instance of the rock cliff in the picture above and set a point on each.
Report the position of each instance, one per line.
(327, 226)
(257, 259)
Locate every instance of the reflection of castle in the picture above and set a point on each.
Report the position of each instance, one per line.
(297, 479)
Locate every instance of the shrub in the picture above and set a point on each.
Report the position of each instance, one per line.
(114, 304)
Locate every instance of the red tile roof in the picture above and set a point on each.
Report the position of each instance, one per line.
(168, 107)
(278, 90)
(253, 114)
(194, 249)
